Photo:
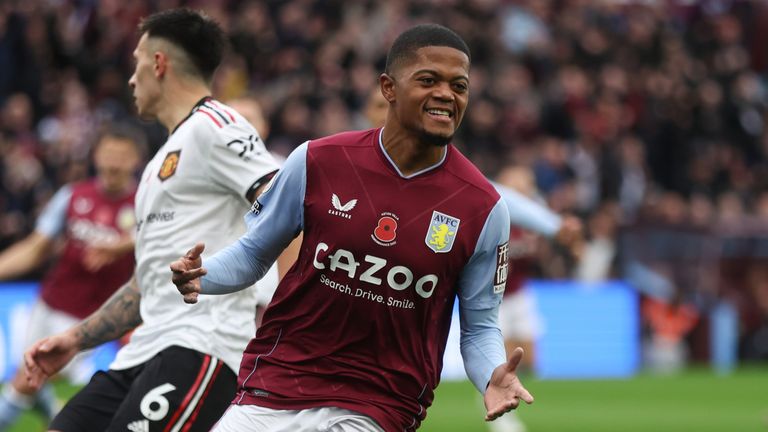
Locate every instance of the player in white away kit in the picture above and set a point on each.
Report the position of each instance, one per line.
(177, 371)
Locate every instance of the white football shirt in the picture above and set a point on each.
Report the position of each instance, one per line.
(194, 190)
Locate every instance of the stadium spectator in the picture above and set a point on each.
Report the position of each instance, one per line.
(670, 90)
(675, 78)
(668, 324)
(95, 219)
(333, 347)
(177, 370)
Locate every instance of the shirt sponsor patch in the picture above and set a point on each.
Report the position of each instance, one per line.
(256, 207)
(170, 163)
(246, 147)
(502, 268)
(442, 232)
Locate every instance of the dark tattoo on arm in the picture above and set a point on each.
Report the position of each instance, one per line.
(114, 318)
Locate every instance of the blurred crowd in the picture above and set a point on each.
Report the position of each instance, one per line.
(622, 111)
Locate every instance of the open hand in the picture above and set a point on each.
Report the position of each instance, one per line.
(187, 271)
(48, 356)
(505, 390)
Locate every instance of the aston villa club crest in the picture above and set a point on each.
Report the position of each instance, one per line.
(168, 168)
(126, 218)
(441, 232)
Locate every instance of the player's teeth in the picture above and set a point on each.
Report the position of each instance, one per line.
(439, 112)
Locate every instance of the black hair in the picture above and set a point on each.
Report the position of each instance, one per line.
(199, 36)
(420, 36)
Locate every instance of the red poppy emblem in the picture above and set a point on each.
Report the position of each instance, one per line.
(386, 229)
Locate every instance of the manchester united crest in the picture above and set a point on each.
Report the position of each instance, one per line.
(168, 168)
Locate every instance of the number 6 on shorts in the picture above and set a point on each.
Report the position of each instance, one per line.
(155, 396)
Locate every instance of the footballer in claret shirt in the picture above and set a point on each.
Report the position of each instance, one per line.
(361, 321)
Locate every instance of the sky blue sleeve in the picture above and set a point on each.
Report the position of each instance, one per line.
(53, 219)
(482, 346)
(528, 213)
(481, 287)
(275, 219)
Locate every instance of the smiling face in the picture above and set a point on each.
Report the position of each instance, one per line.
(428, 93)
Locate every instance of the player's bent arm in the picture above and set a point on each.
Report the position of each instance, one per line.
(123, 245)
(30, 252)
(230, 270)
(276, 218)
(481, 286)
(24, 256)
(119, 314)
(528, 213)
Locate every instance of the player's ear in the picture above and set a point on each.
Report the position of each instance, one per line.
(387, 84)
(161, 64)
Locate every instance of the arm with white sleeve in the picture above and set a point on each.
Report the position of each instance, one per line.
(482, 347)
(275, 219)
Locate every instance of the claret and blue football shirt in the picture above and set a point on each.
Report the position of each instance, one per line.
(361, 320)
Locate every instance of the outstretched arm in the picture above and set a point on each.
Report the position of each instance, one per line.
(483, 352)
(232, 269)
(99, 255)
(275, 219)
(24, 256)
(480, 288)
(29, 253)
(528, 213)
(116, 317)
(533, 216)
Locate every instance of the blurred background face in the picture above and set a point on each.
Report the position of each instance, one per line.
(376, 108)
(146, 88)
(519, 178)
(116, 160)
(431, 92)
(252, 111)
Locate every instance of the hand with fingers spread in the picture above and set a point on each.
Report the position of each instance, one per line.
(48, 356)
(505, 390)
(187, 271)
